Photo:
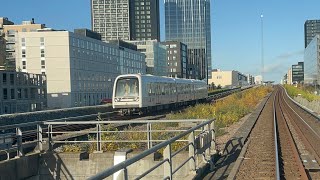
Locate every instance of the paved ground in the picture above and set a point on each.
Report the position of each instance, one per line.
(225, 162)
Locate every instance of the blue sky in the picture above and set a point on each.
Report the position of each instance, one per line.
(235, 27)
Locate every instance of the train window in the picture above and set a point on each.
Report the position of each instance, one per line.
(162, 89)
(149, 89)
(127, 87)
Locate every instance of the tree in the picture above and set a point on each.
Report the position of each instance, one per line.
(213, 86)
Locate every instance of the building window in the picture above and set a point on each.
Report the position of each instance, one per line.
(12, 79)
(12, 94)
(41, 41)
(24, 64)
(43, 64)
(19, 93)
(26, 95)
(23, 42)
(42, 53)
(23, 53)
(4, 78)
(5, 93)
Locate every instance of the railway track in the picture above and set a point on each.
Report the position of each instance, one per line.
(277, 148)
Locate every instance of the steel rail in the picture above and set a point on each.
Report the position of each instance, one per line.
(276, 138)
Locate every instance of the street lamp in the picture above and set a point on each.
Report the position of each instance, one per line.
(262, 63)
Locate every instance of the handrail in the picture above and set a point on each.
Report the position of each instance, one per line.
(128, 162)
(62, 120)
(123, 122)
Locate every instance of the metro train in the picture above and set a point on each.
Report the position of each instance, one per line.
(136, 93)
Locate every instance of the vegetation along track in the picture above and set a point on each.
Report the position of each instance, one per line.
(272, 151)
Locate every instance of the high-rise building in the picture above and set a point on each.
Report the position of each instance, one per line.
(126, 19)
(176, 59)
(110, 18)
(188, 21)
(311, 29)
(297, 73)
(145, 20)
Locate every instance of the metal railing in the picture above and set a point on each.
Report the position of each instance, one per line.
(201, 141)
(14, 137)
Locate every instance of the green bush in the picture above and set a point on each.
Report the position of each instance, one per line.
(306, 92)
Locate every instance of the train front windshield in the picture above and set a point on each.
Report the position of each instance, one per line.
(127, 87)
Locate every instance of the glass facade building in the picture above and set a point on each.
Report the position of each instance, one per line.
(188, 21)
(311, 62)
(311, 28)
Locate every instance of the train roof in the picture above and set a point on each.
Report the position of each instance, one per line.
(159, 78)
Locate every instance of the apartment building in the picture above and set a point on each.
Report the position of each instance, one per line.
(10, 30)
(22, 92)
(80, 70)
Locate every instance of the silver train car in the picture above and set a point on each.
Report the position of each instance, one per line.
(136, 93)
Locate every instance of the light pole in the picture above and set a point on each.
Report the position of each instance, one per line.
(262, 63)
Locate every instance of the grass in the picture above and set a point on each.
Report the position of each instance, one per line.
(226, 111)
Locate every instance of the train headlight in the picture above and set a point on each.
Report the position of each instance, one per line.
(136, 99)
(116, 99)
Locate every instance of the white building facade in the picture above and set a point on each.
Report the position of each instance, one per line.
(156, 56)
(80, 70)
(228, 79)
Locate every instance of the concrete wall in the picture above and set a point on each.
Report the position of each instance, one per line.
(70, 166)
(75, 166)
(21, 168)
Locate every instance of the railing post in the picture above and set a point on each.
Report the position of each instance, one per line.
(148, 136)
(192, 163)
(19, 142)
(150, 131)
(39, 134)
(207, 141)
(50, 137)
(99, 145)
(213, 140)
(167, 166)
